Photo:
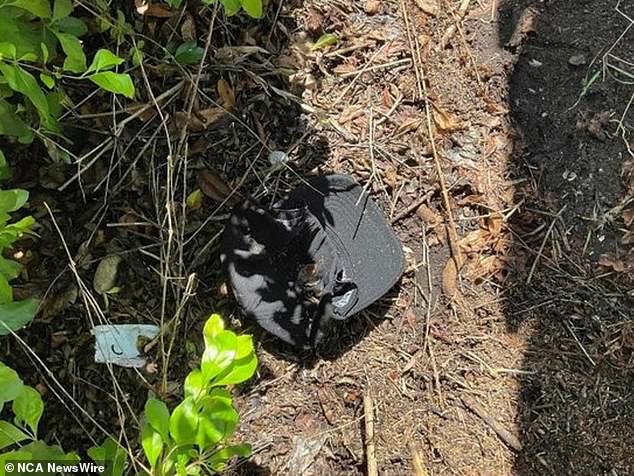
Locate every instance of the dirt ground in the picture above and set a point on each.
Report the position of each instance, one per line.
(520, 362)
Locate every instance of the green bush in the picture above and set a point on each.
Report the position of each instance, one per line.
(252, 7)
(14, 314)
(194, 437)
(27, 407)
(35, 39)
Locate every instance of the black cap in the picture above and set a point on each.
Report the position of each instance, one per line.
(324, 252)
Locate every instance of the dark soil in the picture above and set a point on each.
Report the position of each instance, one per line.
(537, 327)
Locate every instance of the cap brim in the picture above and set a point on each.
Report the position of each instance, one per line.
(355, 224)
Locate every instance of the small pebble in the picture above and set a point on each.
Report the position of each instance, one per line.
(577, 60)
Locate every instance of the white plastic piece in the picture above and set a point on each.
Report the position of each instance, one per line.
(117, 344)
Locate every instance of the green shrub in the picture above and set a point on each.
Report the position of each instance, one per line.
(14, 314)
(253, 8)
(35, 39)
(27, 407)
(194, 437)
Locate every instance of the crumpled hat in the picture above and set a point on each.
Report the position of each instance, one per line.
(323, 253)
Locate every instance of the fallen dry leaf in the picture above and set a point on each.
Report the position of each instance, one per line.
(628, 238)
(155, 10)
(484, 267)
(429, 216)
(57, 302)
(313, 22)
(372, 6)
(227, 96)
(628, 216)
(609, 262)
(188, 27)
(200, 120)
(444, 121)
(212, 185)
(450, 278)
(390, 176)
(106, 274)
(430, 7)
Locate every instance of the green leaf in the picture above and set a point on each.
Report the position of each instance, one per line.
(10, 435)
(6, 291)
(24, 82)
(5, 173)
(218, 421)
(324, 40)
(114, 82)
(12, 125)
(15, 315)
(152, 444)
(9, 269)
(12, 200)
(62, 9)
(136, 53)
(194, 386)
(23, 36)
(217, 461)
(184, 422)
(45, 53)
(231, 6)
(219, 353)
(104, 59)
(111, 455)
(8, 50)
(157, 415)
(10, 383)
(28, 408)
(48, 80)
(195, 199)
(253, 8)
(188, 53)
(213, 327)
(241, 371)
(72, 26)
(75, 61)
(39, 8)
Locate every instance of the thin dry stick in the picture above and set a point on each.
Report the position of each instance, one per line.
(368, 412)
(506, 436)
(543, 245)
(105, 147)
(412, 206)
(155, 103)
(422, 90)
(451, 31)
(417, 459)
(363, 70)
(583, 349)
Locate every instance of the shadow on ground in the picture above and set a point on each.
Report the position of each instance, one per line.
(577, 396)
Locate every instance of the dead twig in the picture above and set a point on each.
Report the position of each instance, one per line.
(451, 30)
(368, 412)
(543, 245)
(412, 207)
(417, 459)
(505, 435)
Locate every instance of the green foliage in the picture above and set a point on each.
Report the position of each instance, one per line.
(36, 39)
(188, 53)
(27, 407)
(253, 8)
(111, 455)
(194, 437)
(13, 314)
